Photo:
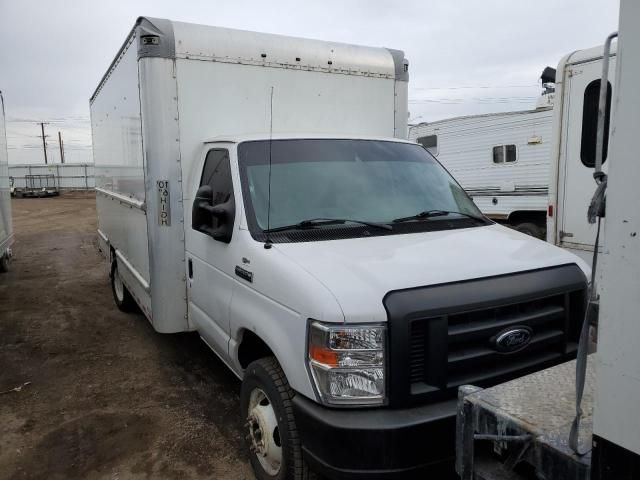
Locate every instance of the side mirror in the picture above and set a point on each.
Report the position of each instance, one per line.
(213, 220)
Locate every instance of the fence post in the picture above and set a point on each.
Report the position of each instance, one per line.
(86, 178)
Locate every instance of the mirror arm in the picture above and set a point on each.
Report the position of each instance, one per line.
(214, 210)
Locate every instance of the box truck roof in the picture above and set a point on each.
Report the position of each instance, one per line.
(286, 136)
(168, 39)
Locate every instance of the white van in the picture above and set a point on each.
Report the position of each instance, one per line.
(256, 189)
(6, 226)
(573, 151)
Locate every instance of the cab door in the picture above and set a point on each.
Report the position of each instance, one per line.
(579, 155)
(209, 250)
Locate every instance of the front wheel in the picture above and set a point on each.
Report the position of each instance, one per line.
(272, 436)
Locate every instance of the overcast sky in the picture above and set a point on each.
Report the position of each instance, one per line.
(466, 56)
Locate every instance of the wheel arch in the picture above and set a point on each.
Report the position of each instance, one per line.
(252, 347)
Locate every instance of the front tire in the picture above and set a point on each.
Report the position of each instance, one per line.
(272, 436)
(121, 296)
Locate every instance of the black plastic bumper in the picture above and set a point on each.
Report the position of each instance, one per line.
(375, 443)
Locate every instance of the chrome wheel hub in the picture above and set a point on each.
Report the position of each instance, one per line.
(118, 285)
(264, 434)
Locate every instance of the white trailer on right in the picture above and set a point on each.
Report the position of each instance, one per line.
(575, 117)
(500, 159)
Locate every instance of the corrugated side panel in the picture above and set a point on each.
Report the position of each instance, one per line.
(117, 132)
(465, 148)
(117, 151)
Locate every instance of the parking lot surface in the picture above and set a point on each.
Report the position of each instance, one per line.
(88, 391)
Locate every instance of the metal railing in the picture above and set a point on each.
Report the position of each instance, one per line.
(69, 176)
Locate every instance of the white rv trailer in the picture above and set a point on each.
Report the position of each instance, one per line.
(6, 225)
(500, 159)
(258, 190)
(573, 152)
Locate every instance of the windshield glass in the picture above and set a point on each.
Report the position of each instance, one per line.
(364, 180)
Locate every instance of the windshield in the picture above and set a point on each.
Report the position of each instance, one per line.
(359, 180)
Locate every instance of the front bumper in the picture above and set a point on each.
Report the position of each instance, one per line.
(375, 443)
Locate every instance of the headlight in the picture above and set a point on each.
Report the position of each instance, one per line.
(348, 363)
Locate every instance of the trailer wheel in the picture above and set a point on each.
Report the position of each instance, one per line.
(272, 435)
(4, 263)
(530, 229)
(122, 297)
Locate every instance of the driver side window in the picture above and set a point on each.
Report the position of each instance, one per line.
(217, 175)
(213, 211)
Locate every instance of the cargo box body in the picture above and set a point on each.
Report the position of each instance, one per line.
(172, 87)
(6, 225)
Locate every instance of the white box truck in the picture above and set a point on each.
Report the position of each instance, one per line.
(256, 189)
(6, 225)
(500, 159)
(574, 145)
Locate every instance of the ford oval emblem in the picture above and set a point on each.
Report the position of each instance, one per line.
(512, 339)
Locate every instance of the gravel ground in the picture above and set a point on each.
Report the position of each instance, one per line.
(103, 396)
(107, 396)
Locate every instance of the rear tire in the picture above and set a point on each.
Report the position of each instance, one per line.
(274, 448)
(4, 263)
(122, 297)
(530, 229)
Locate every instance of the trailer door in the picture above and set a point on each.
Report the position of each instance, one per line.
(581, 107)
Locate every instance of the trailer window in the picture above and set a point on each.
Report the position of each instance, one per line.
(504, 154)
(430, 142)
(590, 124)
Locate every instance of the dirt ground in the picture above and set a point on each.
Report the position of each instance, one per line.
(107, 396)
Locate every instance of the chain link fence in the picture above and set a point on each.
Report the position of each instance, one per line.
(68, 176)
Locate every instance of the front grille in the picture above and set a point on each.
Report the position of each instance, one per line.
(472, 359)
(450, 336)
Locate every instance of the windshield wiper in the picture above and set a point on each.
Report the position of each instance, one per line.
(436, 213)
(318, 222)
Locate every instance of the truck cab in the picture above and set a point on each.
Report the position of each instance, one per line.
(360, 271)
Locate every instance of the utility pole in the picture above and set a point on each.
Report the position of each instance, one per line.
(61, 147)
(44, 141)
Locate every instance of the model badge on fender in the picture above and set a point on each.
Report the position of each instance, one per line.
(245, 274)
(512, 339)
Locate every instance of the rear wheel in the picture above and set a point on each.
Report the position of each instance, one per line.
(272, 436)
(530, 229)
(122, 297)
(4, 263)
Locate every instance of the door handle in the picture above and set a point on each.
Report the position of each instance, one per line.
(190, 266)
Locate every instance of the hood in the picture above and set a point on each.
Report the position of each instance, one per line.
(359, 272)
